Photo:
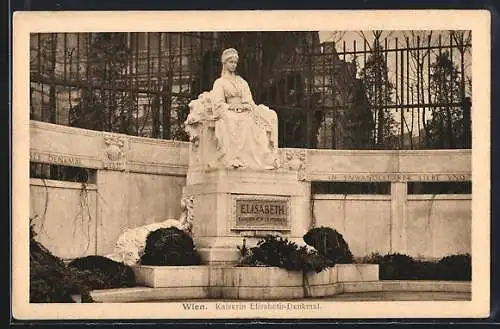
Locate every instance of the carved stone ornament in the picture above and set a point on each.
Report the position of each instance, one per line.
(114, 152)
(187, 215)
(200, 110)
(296, 160)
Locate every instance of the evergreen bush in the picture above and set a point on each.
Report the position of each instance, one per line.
(403, 267)
(50, 280)
(397, 267)
(455, 267)
(169, 247)
(280, 252)
(98, 272)
(329, 243)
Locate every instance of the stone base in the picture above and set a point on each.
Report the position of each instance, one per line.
(248, 282)
(170, 283)
(148, 294)
(223, 209)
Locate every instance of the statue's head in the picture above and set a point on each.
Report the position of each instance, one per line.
(229, 59)
(229, 53)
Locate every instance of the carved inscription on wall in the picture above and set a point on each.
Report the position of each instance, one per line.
(251, 212)
(398, 177)
(60, 159)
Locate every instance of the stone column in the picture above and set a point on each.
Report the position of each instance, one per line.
(398, 217)
(112, 186)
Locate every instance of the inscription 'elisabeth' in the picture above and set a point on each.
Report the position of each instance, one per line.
(260, 209)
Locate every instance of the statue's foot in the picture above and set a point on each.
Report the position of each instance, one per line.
(237, 163)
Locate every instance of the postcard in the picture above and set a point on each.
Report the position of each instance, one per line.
(251, 164)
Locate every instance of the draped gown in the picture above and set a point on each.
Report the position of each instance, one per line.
(244, 139)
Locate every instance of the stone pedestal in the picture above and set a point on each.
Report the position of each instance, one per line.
(235, 204)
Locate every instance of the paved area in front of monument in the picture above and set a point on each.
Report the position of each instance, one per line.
(401, 296)
(365, 296)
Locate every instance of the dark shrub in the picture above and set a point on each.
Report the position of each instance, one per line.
(396, 267)
(169, 246)
(329, 243)
(50, 280)
(455, 267)
(403, 267)
(275, 251)
(98, 272)
(373, 258)
(425, 270)
(280, 252)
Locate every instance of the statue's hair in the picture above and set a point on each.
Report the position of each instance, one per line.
(228, 53)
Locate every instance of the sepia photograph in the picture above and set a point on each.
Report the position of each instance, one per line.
(169, 166)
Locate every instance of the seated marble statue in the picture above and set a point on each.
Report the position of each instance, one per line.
(246, 134)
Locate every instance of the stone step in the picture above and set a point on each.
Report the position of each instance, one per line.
(149, 294)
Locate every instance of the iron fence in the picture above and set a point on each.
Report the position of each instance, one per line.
(407, 91)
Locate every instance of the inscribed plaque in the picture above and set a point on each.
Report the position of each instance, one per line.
(261, 213)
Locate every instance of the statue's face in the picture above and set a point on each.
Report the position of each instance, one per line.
(231, 63)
